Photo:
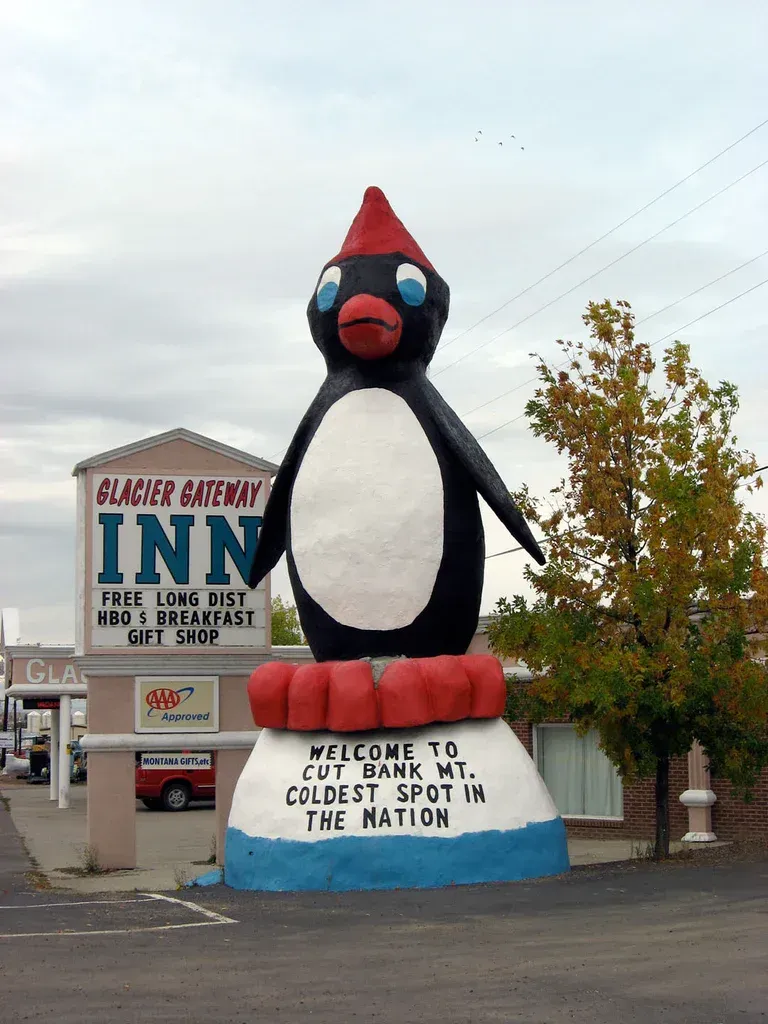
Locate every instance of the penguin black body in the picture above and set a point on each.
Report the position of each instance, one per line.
(376, 499)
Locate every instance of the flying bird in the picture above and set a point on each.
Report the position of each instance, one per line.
(479, 133)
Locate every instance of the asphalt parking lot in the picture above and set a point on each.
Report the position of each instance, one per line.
(620, 944)
(52, 917)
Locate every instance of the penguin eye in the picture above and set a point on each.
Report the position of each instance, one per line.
(412, 284)
(328, 288)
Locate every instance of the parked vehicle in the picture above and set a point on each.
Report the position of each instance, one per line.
(170, 781)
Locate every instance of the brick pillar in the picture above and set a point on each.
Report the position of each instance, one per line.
(112, 774)
(112, 807)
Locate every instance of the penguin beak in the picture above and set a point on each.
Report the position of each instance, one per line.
(369, 328)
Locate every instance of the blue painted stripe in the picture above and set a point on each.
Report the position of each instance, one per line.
(395, 862)
(215, 877)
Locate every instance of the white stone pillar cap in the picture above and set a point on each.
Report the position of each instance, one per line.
(698, 798)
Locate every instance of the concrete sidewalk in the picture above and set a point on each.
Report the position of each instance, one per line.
(13, 858)
(171, 848)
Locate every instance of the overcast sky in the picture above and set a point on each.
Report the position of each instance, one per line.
(173, 176)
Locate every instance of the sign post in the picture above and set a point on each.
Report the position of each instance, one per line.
(53, 764)
(167, 529)
(65, 738)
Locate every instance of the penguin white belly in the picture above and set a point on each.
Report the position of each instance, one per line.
(367, 513)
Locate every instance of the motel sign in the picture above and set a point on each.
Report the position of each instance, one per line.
(170, 559)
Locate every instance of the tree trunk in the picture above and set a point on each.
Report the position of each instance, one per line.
(661, 849)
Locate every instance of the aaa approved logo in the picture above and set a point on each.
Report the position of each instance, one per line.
(165, 699)
(171, 705)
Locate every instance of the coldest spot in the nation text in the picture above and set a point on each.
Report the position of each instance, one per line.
(341, 786)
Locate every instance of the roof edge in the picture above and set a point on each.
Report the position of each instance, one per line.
(177, 434)
(50, 651)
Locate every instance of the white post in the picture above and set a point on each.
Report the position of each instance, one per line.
(53, 765)
(698, 798)
(65, 738)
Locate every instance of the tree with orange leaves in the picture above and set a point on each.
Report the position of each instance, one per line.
(656, 578)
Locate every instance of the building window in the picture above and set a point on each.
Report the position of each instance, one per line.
(582, 781)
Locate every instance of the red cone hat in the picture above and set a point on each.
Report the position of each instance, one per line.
(377, 230)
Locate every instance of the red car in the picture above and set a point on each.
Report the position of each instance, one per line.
(172, 780)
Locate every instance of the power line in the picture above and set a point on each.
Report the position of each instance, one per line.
(532, 380)
(547, 540)
(597, 273)
(512, 551)
(607, 234)
(645, 319)
(479, 437)
(703, 288)
(715, 310)
(586, 280)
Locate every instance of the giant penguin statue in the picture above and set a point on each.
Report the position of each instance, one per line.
(376, 498)
(376, 505)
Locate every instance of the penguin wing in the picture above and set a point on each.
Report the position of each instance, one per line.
(274, 527)
(465, 448)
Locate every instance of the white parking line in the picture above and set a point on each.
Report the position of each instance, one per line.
(215, 918)
(211, 918)
(81, 903)
(109, 931)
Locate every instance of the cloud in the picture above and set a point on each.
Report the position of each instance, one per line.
(173, 177)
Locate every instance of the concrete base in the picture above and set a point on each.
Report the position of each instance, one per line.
(405, 808)
(699, 837)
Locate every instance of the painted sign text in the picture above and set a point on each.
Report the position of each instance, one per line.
(170, 559)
